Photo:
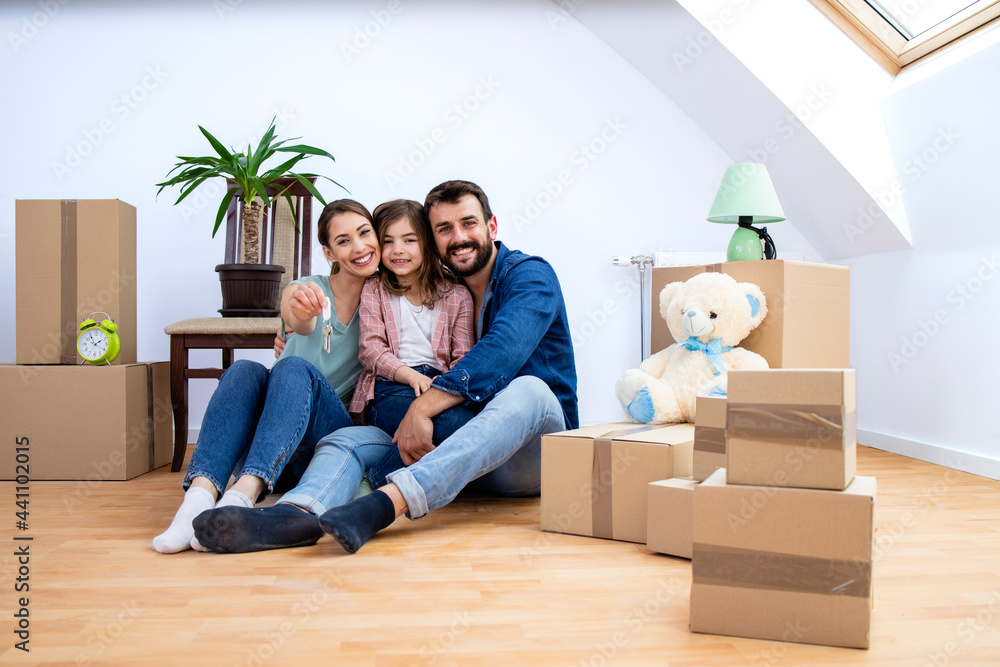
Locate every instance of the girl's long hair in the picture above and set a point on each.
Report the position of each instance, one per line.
(434, 281)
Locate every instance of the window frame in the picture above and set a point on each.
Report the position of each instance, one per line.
(879, 39)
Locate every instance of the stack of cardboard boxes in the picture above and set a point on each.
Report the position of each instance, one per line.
(111, 422)
(782, 537)
(785, 542)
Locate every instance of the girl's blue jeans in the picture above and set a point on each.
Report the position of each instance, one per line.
(388, 408)
(265, 423)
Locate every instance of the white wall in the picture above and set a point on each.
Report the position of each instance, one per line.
(128, 84)
(929, 377)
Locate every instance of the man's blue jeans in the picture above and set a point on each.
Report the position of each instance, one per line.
(262, 423)
(388, 408)
(500, 448)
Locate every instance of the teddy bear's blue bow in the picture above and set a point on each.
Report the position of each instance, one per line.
(713, 349)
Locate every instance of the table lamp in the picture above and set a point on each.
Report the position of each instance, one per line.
(747, 196)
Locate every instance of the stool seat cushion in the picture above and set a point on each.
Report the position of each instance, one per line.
(225, 325)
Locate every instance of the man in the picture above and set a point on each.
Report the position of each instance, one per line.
(521, 368)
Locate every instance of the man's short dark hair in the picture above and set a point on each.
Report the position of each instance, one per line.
(450, 192)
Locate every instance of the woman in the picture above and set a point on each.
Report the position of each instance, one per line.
(260, 423)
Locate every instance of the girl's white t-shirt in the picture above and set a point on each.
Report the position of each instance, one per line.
(416, 330)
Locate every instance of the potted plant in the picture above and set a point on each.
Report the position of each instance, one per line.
(247, 178)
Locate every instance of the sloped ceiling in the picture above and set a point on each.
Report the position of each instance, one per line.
(827, 205)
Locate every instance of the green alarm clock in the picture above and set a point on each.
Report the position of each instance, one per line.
(98, 344)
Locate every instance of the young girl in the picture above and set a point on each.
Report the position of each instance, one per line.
(416, 322)
(259, 422)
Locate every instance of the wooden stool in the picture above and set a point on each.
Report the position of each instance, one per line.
(225, 333)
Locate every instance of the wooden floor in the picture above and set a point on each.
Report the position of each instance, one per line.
(475, 583)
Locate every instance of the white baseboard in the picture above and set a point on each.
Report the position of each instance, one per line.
(976, 464)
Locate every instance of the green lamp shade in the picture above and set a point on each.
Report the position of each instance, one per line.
(746, 192)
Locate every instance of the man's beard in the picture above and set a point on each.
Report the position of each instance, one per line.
(483, 254)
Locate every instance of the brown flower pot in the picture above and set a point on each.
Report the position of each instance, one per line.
(250, 290)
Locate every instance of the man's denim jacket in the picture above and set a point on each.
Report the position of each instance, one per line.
(522, 329)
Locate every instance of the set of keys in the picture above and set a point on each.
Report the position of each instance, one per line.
(327, 327)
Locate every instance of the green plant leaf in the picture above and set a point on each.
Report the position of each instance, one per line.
(308, 150)
(316, 194)
(228, 197)
(243, 179)
(192, 185)
(219, 148)
(175, 168)
(303, 179)
(189, 175)
(257, 157)
(291, 205)
(269, 151)
(207, 161)
(260, 187)
(281, 170)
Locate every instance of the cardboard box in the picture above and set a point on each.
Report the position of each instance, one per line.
(594, 479)
(783, 564)
(85, 422)
(709, 436)
(792, 427)
(670, 518)
(74, 258)
(808, 310)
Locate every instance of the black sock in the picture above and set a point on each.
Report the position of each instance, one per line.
(357, 522)
(241, 529)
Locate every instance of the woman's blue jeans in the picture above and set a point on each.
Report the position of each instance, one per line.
(265, 423)
(389, 406)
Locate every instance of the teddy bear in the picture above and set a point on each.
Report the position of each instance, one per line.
(708, 315)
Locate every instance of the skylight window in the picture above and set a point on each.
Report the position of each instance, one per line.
(899, 32)
(912, 18)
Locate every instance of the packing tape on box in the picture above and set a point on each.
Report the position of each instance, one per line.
(150, 418)
(716, 565)
(829, 425)
(710, 439)
(601, 482)
(67, 290)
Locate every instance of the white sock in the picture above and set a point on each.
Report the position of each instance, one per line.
(234, 497)
(178, 536)
(230, 497)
